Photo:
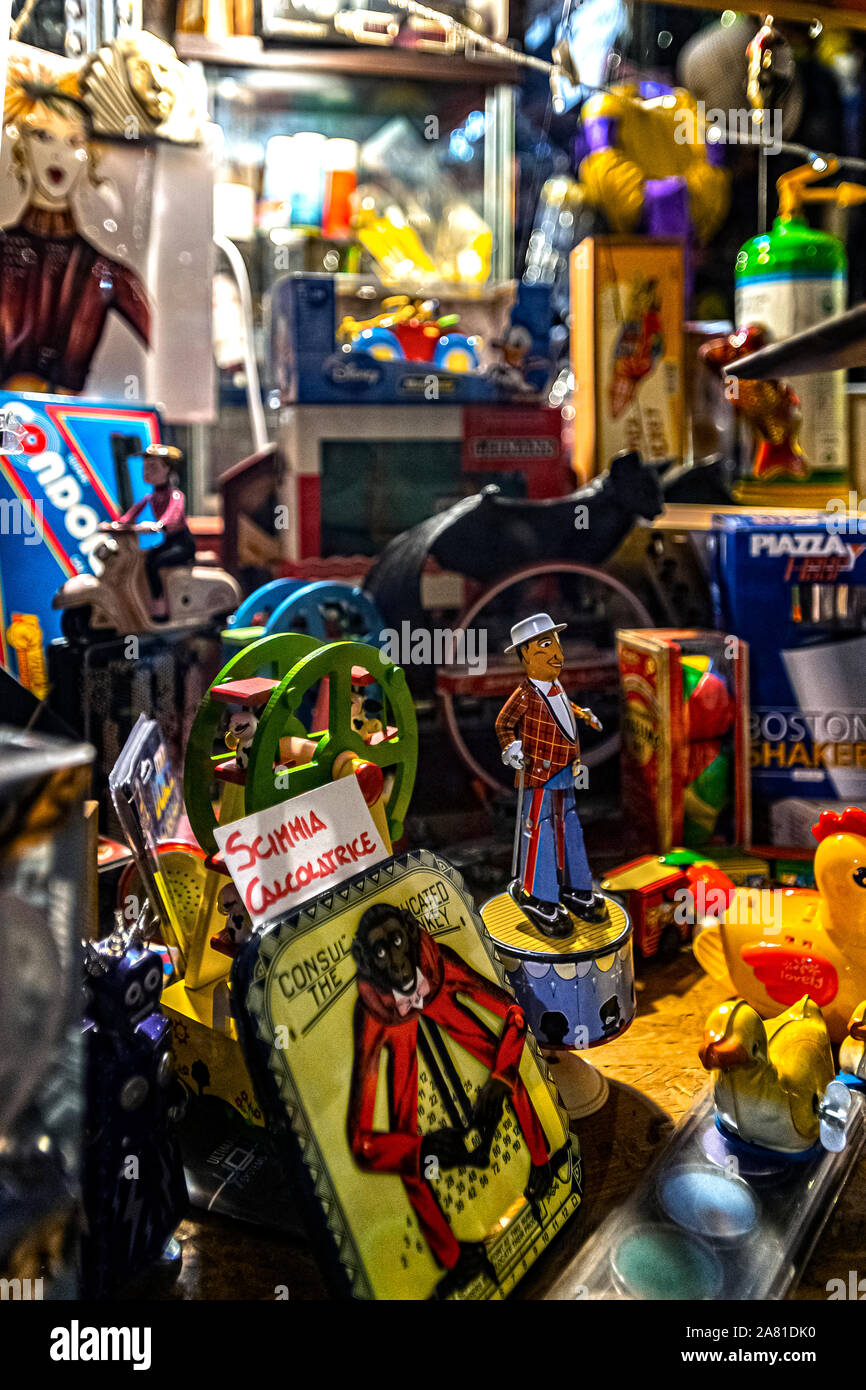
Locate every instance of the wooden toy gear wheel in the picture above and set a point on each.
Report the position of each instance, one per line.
(271, 677)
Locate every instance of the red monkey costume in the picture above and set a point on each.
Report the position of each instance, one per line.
(379, 1023)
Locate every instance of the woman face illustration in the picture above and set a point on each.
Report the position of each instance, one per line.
(54, 153)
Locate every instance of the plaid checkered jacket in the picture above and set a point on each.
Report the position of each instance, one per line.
(545, 747)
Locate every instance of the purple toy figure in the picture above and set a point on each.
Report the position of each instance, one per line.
(134, 1187)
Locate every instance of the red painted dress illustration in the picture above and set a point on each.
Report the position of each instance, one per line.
(56, 292)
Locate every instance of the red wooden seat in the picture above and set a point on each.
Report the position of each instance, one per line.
(254, 692)
(230, 772)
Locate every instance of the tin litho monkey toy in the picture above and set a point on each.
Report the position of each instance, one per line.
(537, 731)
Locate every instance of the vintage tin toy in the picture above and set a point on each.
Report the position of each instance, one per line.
(133, 1182)
(577, 991)
(739, 1194)
(537, 732)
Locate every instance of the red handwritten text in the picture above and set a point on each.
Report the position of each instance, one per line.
(260, 897)
(284, 838)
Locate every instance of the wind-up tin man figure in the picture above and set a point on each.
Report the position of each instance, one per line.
(537, 730)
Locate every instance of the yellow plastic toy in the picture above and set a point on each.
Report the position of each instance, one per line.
(769, 1078)
(392, 242)
(772, 947)
(636, 137)
(409, 329)
(463, 246)
(397, 309)
(852, 1053)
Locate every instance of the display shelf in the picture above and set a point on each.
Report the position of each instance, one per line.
(258, 91)
(830, 16)
(367, 286)
(364, 60)
(494, 292)
(692, 516)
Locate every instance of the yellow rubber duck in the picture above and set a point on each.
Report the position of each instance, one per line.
(768, 1078)
(772, 947)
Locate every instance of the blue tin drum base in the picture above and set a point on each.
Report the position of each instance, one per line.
(577, 991)
(720, 1145)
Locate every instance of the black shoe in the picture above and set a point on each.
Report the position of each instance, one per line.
(472, 1261)
(588, 906)
(541, 1180)
(551, 918)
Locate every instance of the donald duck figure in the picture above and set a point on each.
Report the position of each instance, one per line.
(537, 731)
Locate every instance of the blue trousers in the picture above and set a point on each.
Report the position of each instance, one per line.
(551, 842)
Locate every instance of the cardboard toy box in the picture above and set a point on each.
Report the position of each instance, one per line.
(309, 367)
(684, 732)
(794, 588)
(66, 464)
(516, 445)
(626, 349)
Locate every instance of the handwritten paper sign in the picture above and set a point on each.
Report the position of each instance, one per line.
(281, 857)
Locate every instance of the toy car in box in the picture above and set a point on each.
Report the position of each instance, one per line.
(665, 895)
(408, 352)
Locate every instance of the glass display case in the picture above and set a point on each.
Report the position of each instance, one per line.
(310, 137)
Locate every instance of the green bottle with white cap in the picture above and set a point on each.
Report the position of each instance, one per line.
(791, 278)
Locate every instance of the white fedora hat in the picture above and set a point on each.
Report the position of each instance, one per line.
(536, 626)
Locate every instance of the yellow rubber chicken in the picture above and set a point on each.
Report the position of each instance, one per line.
(852, 1053)
(768, 1078)
(771, 948)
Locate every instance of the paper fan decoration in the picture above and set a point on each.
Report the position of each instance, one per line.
(32, 77)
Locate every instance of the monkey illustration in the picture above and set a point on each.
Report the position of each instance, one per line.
(405, 976)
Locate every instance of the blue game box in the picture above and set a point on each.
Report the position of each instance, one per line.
(66, 464)
(793, 586)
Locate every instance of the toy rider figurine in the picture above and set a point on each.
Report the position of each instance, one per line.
(167, 503)
(537, 731)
